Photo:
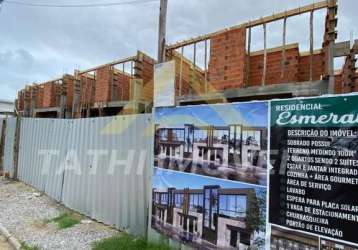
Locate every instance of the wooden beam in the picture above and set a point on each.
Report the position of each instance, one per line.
(344, 48)
(331, 40)
(132, 68)
(265, 57)
(162, 30)
(181, 71)
(16, 147)
(283, 60)
(311, 45)
(260, 21)
(128, 59)
(206, 65)
(248, 60)
(194, 59)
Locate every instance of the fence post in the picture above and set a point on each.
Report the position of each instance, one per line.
(17, 146)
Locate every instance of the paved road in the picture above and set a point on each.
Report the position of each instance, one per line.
(4, 245)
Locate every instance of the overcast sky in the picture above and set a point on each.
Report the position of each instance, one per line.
(38, 44)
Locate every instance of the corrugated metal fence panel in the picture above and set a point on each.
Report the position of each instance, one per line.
(9, 145)
(43, 142)
(57, 145)
(119, 198)
(1, 153)
(124, 144)
(1, 121)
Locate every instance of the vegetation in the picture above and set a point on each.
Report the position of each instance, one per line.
(66, 220)
(256, 216)
(127, 242)
(24, 246)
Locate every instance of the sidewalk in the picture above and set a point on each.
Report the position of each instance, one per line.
(27, 215)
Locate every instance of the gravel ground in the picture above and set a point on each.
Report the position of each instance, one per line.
(24, 214)
(3, 244)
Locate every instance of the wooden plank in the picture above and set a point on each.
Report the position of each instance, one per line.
(248, 59)
(283, 59)
(265, 57)
(17, 146)
(331, 41)
(260, 21)
(181, 72)
(206, 66)
(341, 49)
(311, 45)
(194, 59)
(128, 59)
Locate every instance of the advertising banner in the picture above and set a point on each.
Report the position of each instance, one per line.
(210, 175)
(314, 180)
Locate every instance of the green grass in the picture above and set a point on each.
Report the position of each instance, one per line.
(126, 242)
(66, 220)
(24, 246)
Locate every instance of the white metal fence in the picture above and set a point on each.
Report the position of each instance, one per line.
(99, 167)
(9, 145)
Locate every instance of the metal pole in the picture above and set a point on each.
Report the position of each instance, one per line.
(162, 30)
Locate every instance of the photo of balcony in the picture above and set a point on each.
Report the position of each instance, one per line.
(208, 214)
(233, 147)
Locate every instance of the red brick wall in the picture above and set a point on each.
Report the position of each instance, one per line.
(227, 62)
(50, 95)
(20, 100)
(40, 97)
(148, 77)
(103, 84)
(273, 70)
(356, 82)
(69, 82)
(192, 81)
(121, 81)
(318, 68)
(338, 83)
(346, 79)
(87, 89)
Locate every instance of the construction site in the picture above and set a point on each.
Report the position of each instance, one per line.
(226, 70)
(242, 138)
(121, 86)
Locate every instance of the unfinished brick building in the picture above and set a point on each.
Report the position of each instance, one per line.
(123, 86)
(232, 72)
(228, 71)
